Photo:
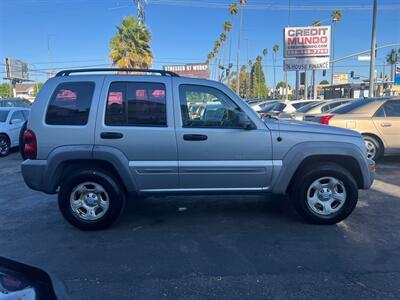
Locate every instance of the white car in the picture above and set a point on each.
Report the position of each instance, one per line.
(290, 106)
(11, 121)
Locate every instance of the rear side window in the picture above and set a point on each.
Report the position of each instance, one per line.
(392, 108)
(136, 104)
(352, 106)
(70, 104)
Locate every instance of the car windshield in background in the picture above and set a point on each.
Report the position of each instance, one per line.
(347, 108)
(3, 115)
(308, 107)
(278, 107)
(14, 103)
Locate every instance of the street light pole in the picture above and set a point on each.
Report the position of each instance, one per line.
(238, 52)
(373, 49)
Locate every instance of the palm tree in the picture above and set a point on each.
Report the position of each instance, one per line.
(392, 59)
(336, 17)
(233, 10)
(210, 57)
(265, 53)
(130, 46)
(317, 23)
(275, 49)
(217, 46)
(242, 4)
(227, 29)
(222, 39)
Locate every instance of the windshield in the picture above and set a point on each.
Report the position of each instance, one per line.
(3, 115)
(347, 108)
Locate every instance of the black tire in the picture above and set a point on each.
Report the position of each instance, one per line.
(376, 144)
(4, 145)
(21, 140)
(112, 187)
(304, 181)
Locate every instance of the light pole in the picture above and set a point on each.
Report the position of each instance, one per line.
(238, 51)
(373, 49)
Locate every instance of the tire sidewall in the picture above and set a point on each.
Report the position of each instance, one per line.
(302, 190)
(21, 143)
(2, 136)
(377, 145)
(113, 189)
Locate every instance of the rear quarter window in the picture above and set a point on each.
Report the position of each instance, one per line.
(70, 104)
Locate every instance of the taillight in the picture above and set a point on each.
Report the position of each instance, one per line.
(325, 119)
(30, 148)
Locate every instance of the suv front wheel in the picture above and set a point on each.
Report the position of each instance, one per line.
(325, 194)
(91, 199)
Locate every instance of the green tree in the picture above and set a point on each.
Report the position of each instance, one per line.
(130, 46)
(5, 90)
(257, 84)
(392, 59)
(37, 88)
(244, 81)
(324, 82)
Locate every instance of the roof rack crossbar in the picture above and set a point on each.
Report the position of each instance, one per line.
(161, 72)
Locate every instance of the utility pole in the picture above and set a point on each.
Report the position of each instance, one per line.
(141, 6)
(51, 73)
(305, 85)
(238, 52)
(373, 49)
(314, 84)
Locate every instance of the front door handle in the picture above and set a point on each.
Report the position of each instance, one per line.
(386, 124)
(111, 135)
(195, 137)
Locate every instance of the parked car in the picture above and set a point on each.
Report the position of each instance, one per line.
(289, 106)
(97, 139)
(14, 102)
(314, 108)
(377, 119)
(11, 121)
(259, 106)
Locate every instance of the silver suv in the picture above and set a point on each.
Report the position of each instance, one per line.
(97, 139)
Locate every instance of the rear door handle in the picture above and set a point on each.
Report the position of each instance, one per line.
(195, 137)
(111, 135)
(386, 124)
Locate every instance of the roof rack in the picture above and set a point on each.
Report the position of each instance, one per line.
(161, 72)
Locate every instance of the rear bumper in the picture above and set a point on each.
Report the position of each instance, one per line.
(369, 179)
(33, 173)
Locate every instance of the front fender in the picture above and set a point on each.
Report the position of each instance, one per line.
(298, 153)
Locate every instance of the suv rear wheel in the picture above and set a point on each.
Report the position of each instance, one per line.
(91, 199)
(325, 194)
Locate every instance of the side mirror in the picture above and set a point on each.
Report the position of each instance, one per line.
(16, 121)
(244, 121)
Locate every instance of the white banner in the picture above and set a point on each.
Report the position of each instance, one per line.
(305, 64)
(307, 41)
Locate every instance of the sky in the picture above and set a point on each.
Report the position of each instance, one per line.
(78, 32)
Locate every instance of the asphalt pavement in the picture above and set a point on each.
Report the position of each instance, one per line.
(210, 247)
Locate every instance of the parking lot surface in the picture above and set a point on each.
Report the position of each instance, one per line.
(210, 247)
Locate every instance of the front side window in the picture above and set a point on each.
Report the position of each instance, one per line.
(70, 104)
(136, 104)
(207, 107)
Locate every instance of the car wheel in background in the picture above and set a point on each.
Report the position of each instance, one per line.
(374, 148)
(325, 194)
(4, 145)
(91, 199)
(21, 141)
